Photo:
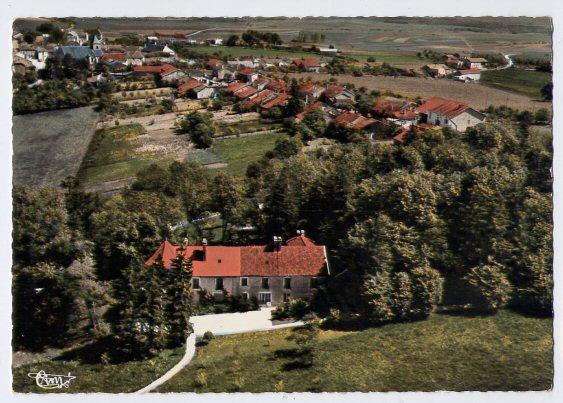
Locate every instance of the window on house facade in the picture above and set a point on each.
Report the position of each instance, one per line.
(287, 283)
(265, 283)
(286, 296)
(219, 284)
(244, 281)
(195, 283)
(244, 296)
(313, 283)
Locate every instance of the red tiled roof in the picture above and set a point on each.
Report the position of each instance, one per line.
(442, 106)
(278, 85)
(300, 256)
(469, 71)
(395, 108)
(333, 90)
(362, 123)
(147, 69)
(162, 69)
(257, 99)
(246, 71)
(346, 118)
(245, 92)
(419, 129)
(214, 62)
(118, 56)
(167, 69)
(235, 86)
(308, 109)
(307, 88)
(188, 85)
(279, 100)
(308, 62)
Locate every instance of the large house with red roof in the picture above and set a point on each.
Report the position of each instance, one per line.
(449, 113)
(271, 273)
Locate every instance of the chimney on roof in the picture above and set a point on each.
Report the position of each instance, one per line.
(204, 243)
(186, 242)
(301, 232)
(277, 243)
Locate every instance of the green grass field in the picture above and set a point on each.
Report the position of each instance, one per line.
(115, 378)
(227, 129)
(238, 51)
(238, 152)
(525, 82)
(111, 155)
(505, 352)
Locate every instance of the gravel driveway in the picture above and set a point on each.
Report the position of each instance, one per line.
(231, 323)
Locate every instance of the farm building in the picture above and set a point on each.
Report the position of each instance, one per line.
(270, 273)
(474, 62)
(449, 113)
(308, 64)
(468, 75)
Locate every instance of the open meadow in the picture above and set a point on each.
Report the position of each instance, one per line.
(502, 352)
(526, 82)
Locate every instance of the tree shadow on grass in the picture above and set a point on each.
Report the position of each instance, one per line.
(301, 358)
(91, 353)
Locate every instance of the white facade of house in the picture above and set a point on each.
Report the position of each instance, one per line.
(175, 75)
(468, 118)
(204, 92)
(469, 76)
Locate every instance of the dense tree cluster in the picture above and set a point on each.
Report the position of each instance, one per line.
(200, 127)
(445, 212)
(446, 218)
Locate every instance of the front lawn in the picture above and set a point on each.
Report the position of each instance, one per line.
(527, 82)
(505, 352)
(90, 378)
(239, 152)
(113, 155)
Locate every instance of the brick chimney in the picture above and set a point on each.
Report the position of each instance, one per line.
(277, 243)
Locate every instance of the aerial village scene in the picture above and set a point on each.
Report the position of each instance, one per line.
(282, 204)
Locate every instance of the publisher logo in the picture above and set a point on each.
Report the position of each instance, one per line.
(50, 381)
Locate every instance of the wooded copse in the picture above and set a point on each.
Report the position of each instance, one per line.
(451, 219)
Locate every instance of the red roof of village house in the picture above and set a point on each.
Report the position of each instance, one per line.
(167, 69)
(188, 85)
(442, 106)
(346, 118)
(470, 71)
(419, 129)
(257, 99)
(307, 62)
(214, 62)
(300, 256)
(307, 88)
(278, 85)
(279, 100)
(235, 86)
(246, 71)
(162, 69)
(308, 109)
(395, 108)
(118, 56)
(333, 90)
(147, 69)
(245, 92)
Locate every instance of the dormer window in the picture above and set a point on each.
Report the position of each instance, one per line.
(218, 260)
